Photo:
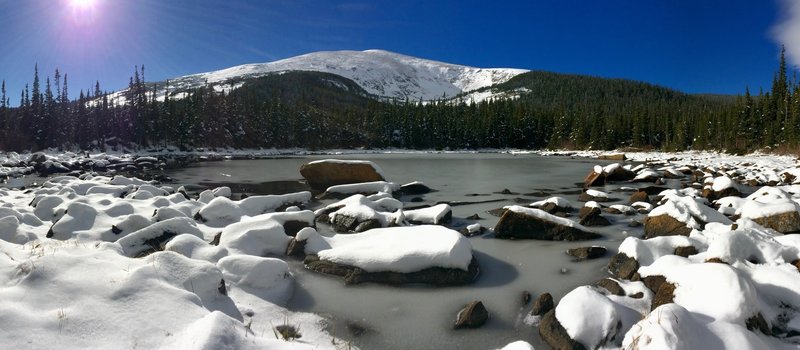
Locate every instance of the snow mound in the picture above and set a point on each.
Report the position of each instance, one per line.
(397, 249)
(263, 234)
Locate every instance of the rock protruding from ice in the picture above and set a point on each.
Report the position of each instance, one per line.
(522, 222)
(416, 254)
(322, 174)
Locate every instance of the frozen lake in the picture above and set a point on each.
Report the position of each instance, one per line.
(418, 317)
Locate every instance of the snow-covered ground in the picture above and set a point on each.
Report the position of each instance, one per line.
(191, 294)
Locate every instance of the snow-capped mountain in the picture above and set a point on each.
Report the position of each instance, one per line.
(380, 73)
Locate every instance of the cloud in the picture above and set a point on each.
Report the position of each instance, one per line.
(787, 30)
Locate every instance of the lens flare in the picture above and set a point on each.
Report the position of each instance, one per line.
(82, 3)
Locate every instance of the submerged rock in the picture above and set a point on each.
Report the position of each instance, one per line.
(473, 315)
(521, 222)
(584, 253)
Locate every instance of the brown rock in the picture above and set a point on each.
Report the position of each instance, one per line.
(653, 282)
(712, 195)
(595, 178)
(638, 295)
(611, 286)
(796, 263)
(473, 315)
(586, 211)
(685, 251)
(296, 248)
(664, 225)
(585, 197)
(623, 266)
(554, 334)
(552, 208)
(584, 253)
(324, 174)
(594, 220)
(652, 190)
(639, 196)
(542, 305)
(716, 261)
(620, 174)
(519, 225)
(440, 276)
(664, 295)
(784, 222)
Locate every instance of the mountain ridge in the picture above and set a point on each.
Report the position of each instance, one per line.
(381, 73)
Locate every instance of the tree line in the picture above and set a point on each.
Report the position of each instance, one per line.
(319, 110)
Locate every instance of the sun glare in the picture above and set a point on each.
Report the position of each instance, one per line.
(82, 3)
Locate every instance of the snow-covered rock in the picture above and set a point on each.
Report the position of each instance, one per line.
(522, 222)
(414, 254)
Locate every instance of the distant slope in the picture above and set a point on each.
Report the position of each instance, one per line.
(541, 85)
(380, 73)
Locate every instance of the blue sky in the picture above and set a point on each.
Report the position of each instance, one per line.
(695, 46)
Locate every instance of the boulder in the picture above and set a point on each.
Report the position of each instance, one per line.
(543, 304)
(712, 195)
(639, 196)
(593, 217)
(554, 334)
(653, 190)
(345, 223)
(326, 173)
(37, 158)
(647, 176)
(587, 211)
(783, 222)
(585, 253)
(588, 196)
(520, 222)
(685, 251)
(664, 225)
(618, 173)
(664, 295)
(796, 264)
(622, 266)
(595, 178)
(439, 276)
(653, 282)
(414, 188)
(296, 248)
(473, 315)
(611, 286)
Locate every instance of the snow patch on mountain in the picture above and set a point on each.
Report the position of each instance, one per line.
(381, 73)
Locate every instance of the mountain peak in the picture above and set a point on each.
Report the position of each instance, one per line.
(379, 72)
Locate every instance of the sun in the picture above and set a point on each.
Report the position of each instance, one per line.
(83, 4)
